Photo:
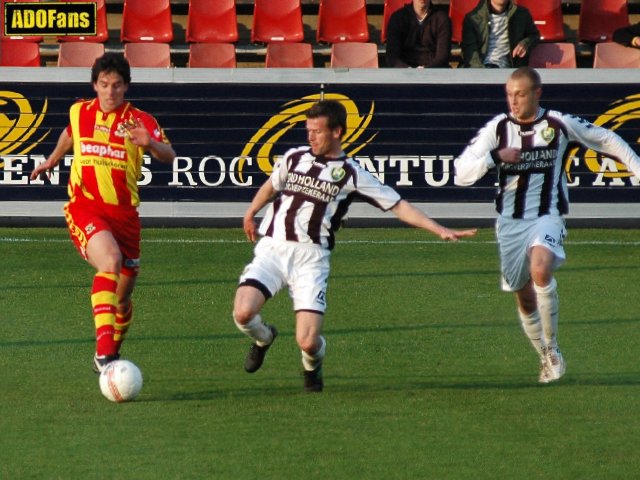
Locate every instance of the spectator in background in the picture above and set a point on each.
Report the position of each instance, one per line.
(419, 36)
(628, 36)
(498, 34)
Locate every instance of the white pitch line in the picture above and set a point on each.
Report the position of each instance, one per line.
(338, 242)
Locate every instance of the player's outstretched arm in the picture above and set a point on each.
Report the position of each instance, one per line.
(64, 144)
(409, 214)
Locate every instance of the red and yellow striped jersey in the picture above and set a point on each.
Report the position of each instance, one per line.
(106, 164)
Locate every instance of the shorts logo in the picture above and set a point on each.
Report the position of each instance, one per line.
(322, 297)
(132, 262)
(550, 240)
(89, 229)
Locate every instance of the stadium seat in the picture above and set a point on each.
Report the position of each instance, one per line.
(155, 55)
(79, 54)
(212, 55)
(390, 6)
(289, 55)
(102, 31)
(600, 18)
(279, 21)
(19, 54)
(553, 55)
(614, 55)
(458, 9)
(547, 16)
(212, 21)
(342, 21)
(354, 55)
(146, 21)
(3, 37)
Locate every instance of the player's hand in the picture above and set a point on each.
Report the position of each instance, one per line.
(137, 133)
(42, 170)
(509, 155)
(250, 229)
(519, 51)
(455, 235)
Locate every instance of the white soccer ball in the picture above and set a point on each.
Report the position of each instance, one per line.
(121, 381)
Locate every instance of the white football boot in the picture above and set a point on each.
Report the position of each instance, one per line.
(555, 363)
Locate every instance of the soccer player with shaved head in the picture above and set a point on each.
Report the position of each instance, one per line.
(526, 147)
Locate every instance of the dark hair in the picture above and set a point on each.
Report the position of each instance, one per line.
(111, 62)
(333, 110)
(530, 73)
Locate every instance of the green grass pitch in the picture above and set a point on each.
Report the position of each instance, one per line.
(427, 374)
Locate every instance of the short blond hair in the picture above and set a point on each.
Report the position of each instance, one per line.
(530, 73)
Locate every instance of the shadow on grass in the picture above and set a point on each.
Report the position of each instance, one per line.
(341, 385)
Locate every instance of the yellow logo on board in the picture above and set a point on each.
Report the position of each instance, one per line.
(621, 112)
(18, 123)
(293, 113)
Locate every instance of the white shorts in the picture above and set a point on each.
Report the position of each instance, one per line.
(303, 268)
(516, 238)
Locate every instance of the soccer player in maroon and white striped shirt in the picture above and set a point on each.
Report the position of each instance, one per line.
(527, 148)
(308, 194)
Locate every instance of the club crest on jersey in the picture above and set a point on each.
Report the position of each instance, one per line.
(548, 134)
(337, 173)
(121, 131)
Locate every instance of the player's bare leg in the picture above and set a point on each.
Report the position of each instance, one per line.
(312, 345)
(246, 315)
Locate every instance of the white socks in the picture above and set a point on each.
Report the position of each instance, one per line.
(257, 330)
(548, 306)
(311, 362)
(532, 327)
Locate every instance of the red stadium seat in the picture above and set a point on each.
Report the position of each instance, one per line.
(3, 37)
(614, 55)
(354, 55)
(79, 54)
(342, 21)
(154, 55)
(277, 21)
(289, 55)
(212, 21)
(458, 9)
(390, 6)
(600, 18)
(19, 54)
(102, 31)
(212, 55)
(547, 16)
(146, 21)
(553, 55)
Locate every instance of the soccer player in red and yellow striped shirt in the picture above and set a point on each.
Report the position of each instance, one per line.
(108, 137)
